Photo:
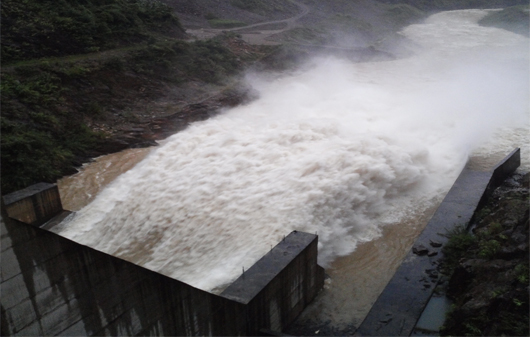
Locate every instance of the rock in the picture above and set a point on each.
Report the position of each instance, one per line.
(526, 179)
(474, 305)
(435, 244)
(459, 281)
(420, 250)
(433, 273)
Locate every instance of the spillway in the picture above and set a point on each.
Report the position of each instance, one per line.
(353, 152)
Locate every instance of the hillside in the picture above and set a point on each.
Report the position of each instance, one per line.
(447, 5)
(85, 77)
(487, 267)
(208, 13)
(515, 19)
(32, 29)
(67, 97)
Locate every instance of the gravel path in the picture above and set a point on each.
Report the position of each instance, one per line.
(248, 34)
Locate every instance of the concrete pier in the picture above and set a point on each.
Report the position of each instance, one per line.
(280, 285)
(35, 204)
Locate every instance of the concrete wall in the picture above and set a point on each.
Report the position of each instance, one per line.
(53, 286)
(400, 305)
(501, 171)
(279, 286)
(35, 204)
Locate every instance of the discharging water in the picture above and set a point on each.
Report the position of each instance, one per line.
(359, 153)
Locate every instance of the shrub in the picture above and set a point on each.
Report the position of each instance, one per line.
(460, 240)
(35, 29)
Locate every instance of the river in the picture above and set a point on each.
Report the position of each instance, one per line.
(361, 154)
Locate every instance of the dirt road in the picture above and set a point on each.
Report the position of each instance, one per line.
(256, 33)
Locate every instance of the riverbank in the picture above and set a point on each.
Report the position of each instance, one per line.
(489, 266)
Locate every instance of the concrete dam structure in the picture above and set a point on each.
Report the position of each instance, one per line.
(53, 286)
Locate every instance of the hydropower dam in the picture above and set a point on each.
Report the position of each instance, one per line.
(351, 152)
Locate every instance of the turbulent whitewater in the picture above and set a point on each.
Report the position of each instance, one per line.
(337, 149)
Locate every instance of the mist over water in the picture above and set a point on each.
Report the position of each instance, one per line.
(335, 148)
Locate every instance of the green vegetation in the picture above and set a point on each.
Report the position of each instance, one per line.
(314, 35)
(39, 137)
(352, 28)
(401, 15)
(522, 273)
(176, 61)
(34, 29)
(264, 7)
(460, 241)
(46, 106)
(56, 90)
(343, 25)
(515, 19)
(489, 269)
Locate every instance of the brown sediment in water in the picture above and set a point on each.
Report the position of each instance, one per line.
(80, 189)
(355, 281)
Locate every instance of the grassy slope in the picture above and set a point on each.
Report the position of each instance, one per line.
(42, 129)
(352, 24)
(264, 7)
(51, 106)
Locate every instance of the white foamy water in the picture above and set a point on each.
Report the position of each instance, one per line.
(337, 148)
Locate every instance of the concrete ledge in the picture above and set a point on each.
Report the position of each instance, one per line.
(276, 289)
(35, 204)
(255, 279)
(402, 302)
(504, 168)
